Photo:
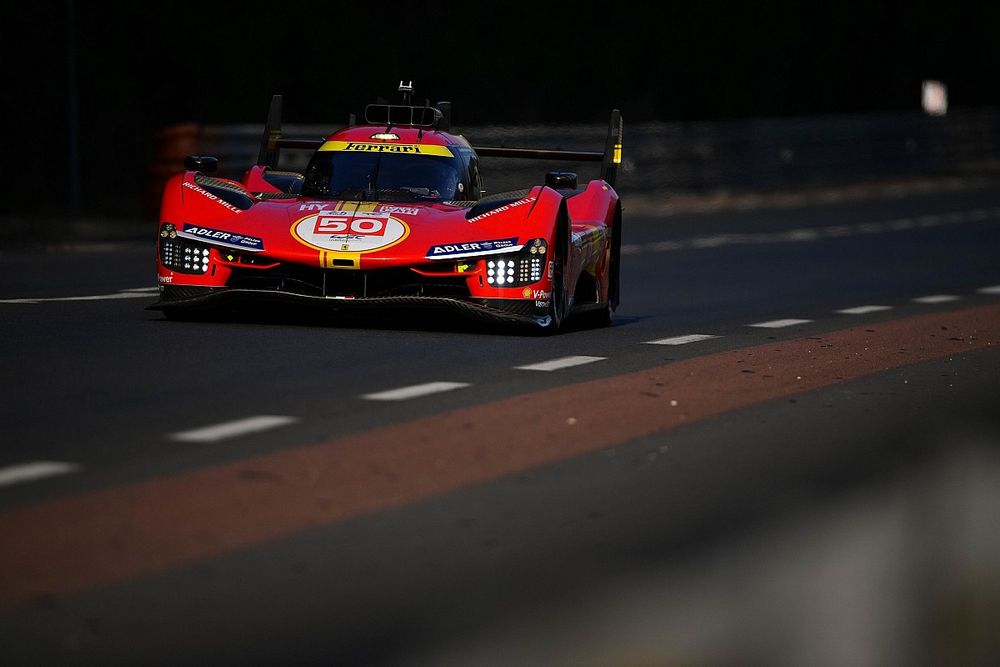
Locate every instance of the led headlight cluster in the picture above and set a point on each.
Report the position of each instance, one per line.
(516, 269)
(180, 254)
(500, 272)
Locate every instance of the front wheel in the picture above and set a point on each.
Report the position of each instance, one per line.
(557, 300)
(601, 317)
(559, 257)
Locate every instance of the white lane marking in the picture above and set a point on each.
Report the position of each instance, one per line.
(29, 472)
(561, 362)
(93, 297)
(994, 289)
(778, 324)
(231, 429)
(415, 391)
(862, 310)
(937, 298)
(801, 235)
(806, 235)
(680, 340)
(837, 230)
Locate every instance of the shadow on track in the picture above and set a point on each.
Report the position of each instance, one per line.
(430, 320)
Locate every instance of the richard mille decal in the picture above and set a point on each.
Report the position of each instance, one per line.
(501, 209)
(205, 193)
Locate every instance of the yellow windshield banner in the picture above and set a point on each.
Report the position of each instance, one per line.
(379, 147)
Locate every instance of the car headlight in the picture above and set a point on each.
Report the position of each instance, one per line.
(180, 254)
(520, 268)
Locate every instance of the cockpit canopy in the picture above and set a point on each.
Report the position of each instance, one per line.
(387, 172)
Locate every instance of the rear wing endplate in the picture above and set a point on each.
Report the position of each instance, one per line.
(272, 142)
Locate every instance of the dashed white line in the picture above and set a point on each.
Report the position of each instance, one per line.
(937, 298)
(778, 324)
(680, 340)
(92, 297)
(862, 310)
(232, 429)
(33, 470)
(562, 362)
(414, 391)
(837, 230)
(813, 234)
(993, 289)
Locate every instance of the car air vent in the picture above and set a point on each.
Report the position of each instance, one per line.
(286, 181)
(263, 196)
(487, 204)
(226, 191)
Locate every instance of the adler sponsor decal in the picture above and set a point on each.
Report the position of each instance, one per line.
(230, 239)
(502, 209)
(205, 193)
(453, 250)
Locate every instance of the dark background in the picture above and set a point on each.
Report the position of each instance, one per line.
(141, 68)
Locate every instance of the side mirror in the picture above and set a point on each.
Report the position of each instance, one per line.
(202, 163)
(561, 180)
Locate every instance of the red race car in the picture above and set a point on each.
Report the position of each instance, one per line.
(391, 214)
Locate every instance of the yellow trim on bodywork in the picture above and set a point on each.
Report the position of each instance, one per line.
(326, 258)
(380, 147)
(617, 155)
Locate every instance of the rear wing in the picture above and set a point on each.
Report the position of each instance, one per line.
(272, 142)
(609, 159)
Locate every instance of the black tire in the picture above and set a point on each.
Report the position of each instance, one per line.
(557, 300)
(560, 251)
(604, 316)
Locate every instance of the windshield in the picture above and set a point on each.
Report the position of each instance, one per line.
(383, 176)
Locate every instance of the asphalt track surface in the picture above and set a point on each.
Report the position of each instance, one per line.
(303, 489)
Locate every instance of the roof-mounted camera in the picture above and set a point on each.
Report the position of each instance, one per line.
(407, 90)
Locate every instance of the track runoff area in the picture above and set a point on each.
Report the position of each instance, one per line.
(70, 542)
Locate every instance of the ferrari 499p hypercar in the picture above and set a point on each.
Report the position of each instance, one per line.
(391, 213)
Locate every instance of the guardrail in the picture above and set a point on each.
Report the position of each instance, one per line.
(679, 158)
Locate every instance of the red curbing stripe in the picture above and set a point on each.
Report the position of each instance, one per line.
(74, 544)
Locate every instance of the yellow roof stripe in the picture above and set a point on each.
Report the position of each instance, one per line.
(381, 147)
